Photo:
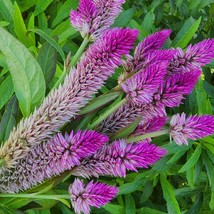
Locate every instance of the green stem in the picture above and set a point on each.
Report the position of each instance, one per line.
(34, 196)
(106, 114)
(74, 61)
(142, 137)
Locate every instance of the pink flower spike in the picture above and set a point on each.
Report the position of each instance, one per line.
(93, 194)
(144, 84)
(93, 17)
(200, 54)
(117, 158)
(183, 128)
(150, 125)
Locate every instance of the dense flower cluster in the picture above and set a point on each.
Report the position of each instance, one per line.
(93, 17)
(94, 194)
(63, 104)
(50, 159)
(152, 81)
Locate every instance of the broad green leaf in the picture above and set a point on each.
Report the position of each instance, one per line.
(64, 11)
(148, 22)
(186, 33)
(192, 160)
(27, 76)
(26, 4)
(210, 169)
(147, 192)
(147, 210)
(123, 19)
(176, 156)
(4, 23)
(50, 40)
(126, 131)
(130, 187)
(6, 91)
(41, 5)
(20, 28)
(114, 209)
(99, 102)
(204, 104)
(211, 203)
(129, 204)
(7, 11)
(8, 120)
(187, 191)
(142, 32)
(169, 195)
(47, 59)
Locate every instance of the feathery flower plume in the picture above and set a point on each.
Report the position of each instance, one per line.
(195, 56)
(151, 43)
(192, 127)
(144, 84)
(62, 104)
(172, 91)
(121, 118)
(117, 158)
(150, 125)
(50, 159)
(93, 194)
(93, 17)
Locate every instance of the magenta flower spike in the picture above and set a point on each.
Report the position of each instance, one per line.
(50, 159)
(64, 103)
(152, 43)
(94, 194)
(117, 158)
(150, 125)
(172, 91)
(93, 17)
(144, 84)
(195, 56)
(183, 128)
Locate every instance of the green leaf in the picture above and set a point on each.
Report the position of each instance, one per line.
(20, 28)
(64, 11)
(27, 76)
(114, 209)
(148, 23)
(41, 6)
(130, 204)
(176, 156)
(147, 210)
(204, 104)
(26, 4)
(8, 120)
(99, 102)
(197, 205)
(47, 59)
(123, 19)
(169, 195)
(126, 131)
(50, 40)
(7, 11)
(186, 33)
(6, 91)
(192, 160)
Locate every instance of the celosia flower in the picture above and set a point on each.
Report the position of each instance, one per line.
(117, 158)
(93, 17)
(195, 56)
(121, 118)
(93, 194)
(150, 125)
(151, 43)
(172, 91)
(50, 159)
(144, 84)
(62, 104)
(183, 128)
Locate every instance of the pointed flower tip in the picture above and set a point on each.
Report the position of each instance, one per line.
(93, 194)
(194, 127)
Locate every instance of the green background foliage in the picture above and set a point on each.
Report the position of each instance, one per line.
(36, 37)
